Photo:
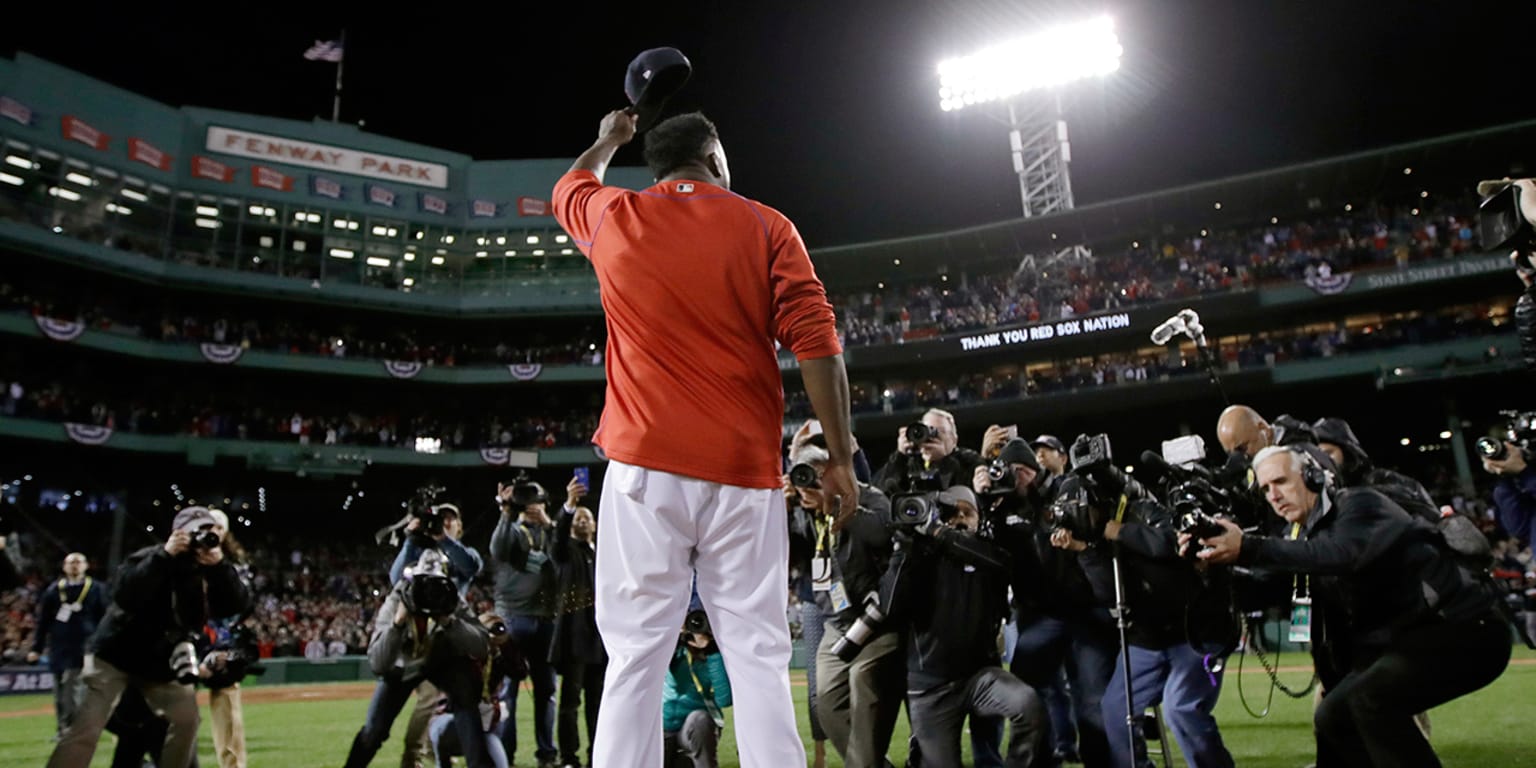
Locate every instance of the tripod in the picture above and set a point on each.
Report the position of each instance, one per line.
(1120, 613)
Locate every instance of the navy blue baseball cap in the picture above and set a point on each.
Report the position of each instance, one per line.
(651, 79)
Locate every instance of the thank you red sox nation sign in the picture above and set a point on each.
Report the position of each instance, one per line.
(277, 149)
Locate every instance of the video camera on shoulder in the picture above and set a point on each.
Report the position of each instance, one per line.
(526, 492)
(1520, 429)
(428, 589)
(1501, 225)
(423, 506)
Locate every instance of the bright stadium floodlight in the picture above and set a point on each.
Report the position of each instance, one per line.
(1051, 57)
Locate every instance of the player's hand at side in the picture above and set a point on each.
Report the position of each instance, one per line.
(617, 128)
(841, 492)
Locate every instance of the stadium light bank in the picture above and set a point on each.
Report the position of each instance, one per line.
(1015, 72)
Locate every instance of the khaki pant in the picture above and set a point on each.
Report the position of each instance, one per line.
(858, 702)
(418, 749)
(101, 686)
(228, 726)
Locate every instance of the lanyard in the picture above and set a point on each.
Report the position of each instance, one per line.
(1300, 583)
(709, 697)
(822, 531)
(79, 600)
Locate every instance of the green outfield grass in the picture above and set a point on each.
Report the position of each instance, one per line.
(1489, 729)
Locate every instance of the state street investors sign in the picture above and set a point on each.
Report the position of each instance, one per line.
(277, 149)
(1044, 331)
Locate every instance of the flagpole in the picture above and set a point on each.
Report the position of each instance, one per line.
(336, 103)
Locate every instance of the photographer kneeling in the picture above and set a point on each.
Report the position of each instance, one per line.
(422, 632)
(1418, 629)
(858, 662)
(695, 698)
(948, 588)
(161, 598)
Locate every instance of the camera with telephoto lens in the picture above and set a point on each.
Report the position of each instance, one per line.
(423, 506)
(428, 588)
(919, 433)
(204, 538)
(1073, 510)
(1194, 510)
(697, 622)
(865, 627)
(804, 476)
(1520, 429)
(1001, 479)
(183, 662)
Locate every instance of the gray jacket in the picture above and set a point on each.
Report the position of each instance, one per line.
(526, 577)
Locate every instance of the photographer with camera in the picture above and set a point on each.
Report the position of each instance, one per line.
(1179, 631)
(67, 613)
(1408, 628)
(1514, 494)
(526, 584)
(229, 652)
(927, 456)
(431, 525)
(424, 632)
(695, 697)
(858, 661)
(947, 588)
(1061, 623)
(505, 663)
(162, 596)
(577, 648)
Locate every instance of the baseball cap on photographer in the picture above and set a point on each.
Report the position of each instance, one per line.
(193, 518)
(652, 78)
(955, 495)
(1016, 451)
(1050, 441)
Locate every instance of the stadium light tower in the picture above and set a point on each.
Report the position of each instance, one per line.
(1026, 74)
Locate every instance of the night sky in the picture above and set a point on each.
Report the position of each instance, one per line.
(829, 110)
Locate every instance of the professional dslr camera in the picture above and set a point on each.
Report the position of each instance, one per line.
(424, 506)
(231, 665)
(526, 492)
(1520, 429)
(1092, 493)
(427, 588)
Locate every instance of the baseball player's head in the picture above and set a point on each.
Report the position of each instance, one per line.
(687, 147)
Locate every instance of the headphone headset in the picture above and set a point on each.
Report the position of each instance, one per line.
(1313, 476)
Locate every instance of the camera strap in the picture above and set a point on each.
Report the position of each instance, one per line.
(707, 695)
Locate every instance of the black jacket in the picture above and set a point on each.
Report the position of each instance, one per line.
(1170, 601)
(1375, 572)
(65, 640)
(159, 600)
(951, 608)
(862, 551)
(954, 469)
(576, 640)
(1046, 581)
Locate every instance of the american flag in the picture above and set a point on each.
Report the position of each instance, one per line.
(324, 50)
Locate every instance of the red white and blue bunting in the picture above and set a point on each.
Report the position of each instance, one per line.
(496, 457)
(403, 369)
(223, 354)
(525, 371)
(60, 330)
(87, 434)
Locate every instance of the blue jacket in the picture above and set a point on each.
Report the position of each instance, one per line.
(1514, 498)
(682, 696)
(66, 639)
(464, 563)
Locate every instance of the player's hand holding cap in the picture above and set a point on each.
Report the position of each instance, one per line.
(651, 79)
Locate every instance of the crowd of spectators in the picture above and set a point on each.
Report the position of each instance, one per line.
(312, 336)
(1261, 350)
(1154, 270)
(214, 417)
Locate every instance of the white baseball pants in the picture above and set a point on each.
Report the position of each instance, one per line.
(654, 530)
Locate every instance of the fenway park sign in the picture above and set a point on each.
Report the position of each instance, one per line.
(278, 149)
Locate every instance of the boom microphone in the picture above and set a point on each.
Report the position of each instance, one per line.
(1166, 331)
